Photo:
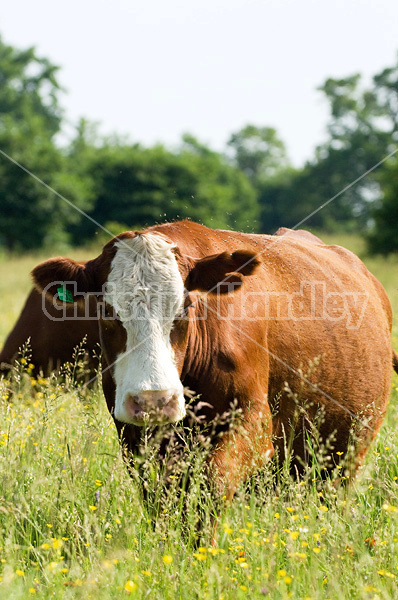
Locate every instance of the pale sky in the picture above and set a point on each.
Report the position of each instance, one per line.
(153, 69)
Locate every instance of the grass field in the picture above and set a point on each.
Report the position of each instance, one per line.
(72, 523)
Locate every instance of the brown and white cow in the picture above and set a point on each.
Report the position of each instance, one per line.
(238, 317)
(53, 336)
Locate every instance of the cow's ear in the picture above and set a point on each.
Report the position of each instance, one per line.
(221, 273)
(63, 278)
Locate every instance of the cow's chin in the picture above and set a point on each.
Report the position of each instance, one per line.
(134, 414)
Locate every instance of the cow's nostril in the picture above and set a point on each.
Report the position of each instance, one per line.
(170, 399)
(134, 399)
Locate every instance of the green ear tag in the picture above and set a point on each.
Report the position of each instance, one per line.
(64, 294)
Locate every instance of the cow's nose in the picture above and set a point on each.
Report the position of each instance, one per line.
(153, 399)
(157, 407)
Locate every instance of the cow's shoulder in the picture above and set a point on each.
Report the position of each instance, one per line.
(300, 234)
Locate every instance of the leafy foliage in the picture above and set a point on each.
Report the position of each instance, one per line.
(383, 237)
(252, 187)
(140, 186)
(30, 117)
(361, 133)
(258, 152)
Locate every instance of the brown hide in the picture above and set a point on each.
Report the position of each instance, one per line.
(51, 342)
(310, 335)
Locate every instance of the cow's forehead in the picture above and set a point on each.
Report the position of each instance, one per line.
(144, 266)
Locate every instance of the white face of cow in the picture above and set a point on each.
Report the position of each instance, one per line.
(146, 290)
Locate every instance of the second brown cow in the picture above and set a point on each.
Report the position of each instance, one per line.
(52, 337)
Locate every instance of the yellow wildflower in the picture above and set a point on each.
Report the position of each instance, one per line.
(130, 586)
(197, 555)
(384, 573)
(389, 508)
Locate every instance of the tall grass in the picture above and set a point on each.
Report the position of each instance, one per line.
(73, 523)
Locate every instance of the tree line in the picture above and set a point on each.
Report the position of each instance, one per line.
(251, 186)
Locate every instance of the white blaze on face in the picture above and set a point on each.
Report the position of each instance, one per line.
(146, 289)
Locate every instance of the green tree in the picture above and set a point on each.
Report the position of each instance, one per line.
(30, 116)
(361, 132)
(383, 236)
(219, 194)
(258, 152)
(141, 186)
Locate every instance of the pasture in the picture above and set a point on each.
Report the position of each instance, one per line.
(73, 523)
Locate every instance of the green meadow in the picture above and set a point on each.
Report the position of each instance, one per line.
(73, 523)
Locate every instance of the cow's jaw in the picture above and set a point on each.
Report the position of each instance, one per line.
(146, 289)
